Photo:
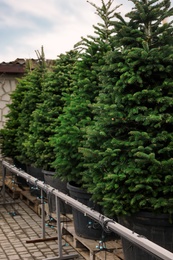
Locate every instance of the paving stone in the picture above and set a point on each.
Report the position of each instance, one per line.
(45, 250)
(50, 255)
(30, 246)
(18, 245)
(11, 252)
(3, 255)
(42, 246)
(6, 247)
(13, 257)
(2, 237)
(28, 258)
(37, 254)
(54, 246)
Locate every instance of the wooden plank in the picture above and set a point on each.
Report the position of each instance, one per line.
(30, 200)
(12, 188)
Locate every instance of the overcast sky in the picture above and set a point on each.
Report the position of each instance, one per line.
(26, 25)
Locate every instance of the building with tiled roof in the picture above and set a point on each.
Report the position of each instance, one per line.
(9, 72)
(16, 67)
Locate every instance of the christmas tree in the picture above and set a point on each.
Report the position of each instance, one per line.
(86, 84)
(43, 122)
(129, 148)
(21, 107)
(32, 97)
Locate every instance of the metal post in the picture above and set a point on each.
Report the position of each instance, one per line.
(43, 214)
(59, 227)
(3, 183)
(59, 233)
(4, 202)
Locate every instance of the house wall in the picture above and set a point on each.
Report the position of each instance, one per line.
(7, 86)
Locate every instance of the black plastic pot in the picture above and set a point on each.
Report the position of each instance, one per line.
(36, 173)
(84, 226)
(156, 228)
(20, 181)
(56, 183)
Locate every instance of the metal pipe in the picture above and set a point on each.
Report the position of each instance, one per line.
(43, 214)
(58, 226)
(110, 224)
(3, 183)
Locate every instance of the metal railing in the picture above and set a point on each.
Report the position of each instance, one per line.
(108, 223)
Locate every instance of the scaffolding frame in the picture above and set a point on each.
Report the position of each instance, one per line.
(108, 223)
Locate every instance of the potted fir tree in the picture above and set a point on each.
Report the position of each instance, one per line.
(43, 122)
(128, 147)
(25, 99)
(9, 134)
(77, 115)
(31, 100)
(29, 103)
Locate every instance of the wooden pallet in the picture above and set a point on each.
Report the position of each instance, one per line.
(90, 249)
(86, 247)
(30, 200)
(12, 188)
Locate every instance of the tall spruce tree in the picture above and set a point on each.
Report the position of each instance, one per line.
(32, 98)
(77, 113)
(9, 132)
(43, 121)
(12, 135)
(129, 147)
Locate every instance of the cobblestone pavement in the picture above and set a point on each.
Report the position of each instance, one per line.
(19, 223)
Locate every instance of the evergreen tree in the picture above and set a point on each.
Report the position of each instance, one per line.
(18, 111)
(32, 98)
(44, 118)
(9, 132)
(77, 113)
(129, 147)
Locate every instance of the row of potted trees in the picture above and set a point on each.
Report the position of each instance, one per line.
(101, 117)
(47, 92)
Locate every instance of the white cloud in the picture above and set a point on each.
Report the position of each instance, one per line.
(59, 39)
(67, 22)
(53, 11)
(15, 22)
(26, 25)
(39, 8)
